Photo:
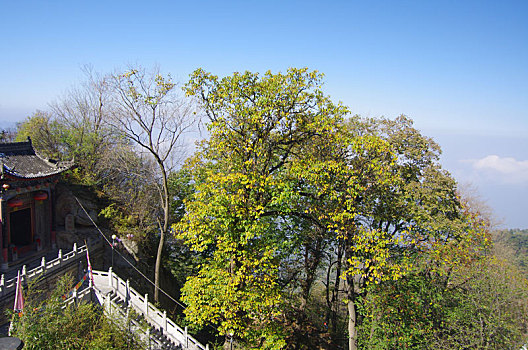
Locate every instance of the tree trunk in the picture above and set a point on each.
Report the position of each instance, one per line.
(230, 343)
(311, 263)
(352, 314)
(164, 227)
(157, 269)
(334, 303)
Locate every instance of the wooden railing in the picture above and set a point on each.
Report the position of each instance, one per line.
(154, 316)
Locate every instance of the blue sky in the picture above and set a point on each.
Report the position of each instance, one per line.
(458, 68)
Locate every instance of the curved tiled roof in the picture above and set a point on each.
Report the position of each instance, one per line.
(20, 160)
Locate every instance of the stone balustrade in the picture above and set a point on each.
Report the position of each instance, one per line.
(104, 282)
(45, 268)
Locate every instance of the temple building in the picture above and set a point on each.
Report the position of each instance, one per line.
(26, 201)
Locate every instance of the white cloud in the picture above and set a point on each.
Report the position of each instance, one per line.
(506, 168)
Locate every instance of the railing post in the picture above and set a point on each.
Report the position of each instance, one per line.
(206, 346)
(127, 296)
(108, 304)
(60, 257)
(146, 305)
(75, 297)
(24, 273)
(127, 315)
(186, 337)
(110, 284)
(148, 337)
(165, 321)
(75, 247)
(2, 284)
(43, 265)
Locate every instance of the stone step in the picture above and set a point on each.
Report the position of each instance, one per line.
(155, 333)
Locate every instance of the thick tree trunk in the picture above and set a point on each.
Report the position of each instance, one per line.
(352, 314)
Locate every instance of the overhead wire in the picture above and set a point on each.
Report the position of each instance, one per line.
(132, 265)
(124, 258)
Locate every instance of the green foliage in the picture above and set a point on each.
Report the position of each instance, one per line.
(516, 241)
(289, 209)
(406, 211)
(180, 187)
(258, 125)
(283, 176)
(55, 138)
(47, 323)
(45, 133)
(486, 308)
(124, 224)
(181, 260)
(401, 314)
(479, 306)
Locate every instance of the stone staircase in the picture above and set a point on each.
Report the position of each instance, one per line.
(131, 310)
(151, 324)
(156, 338)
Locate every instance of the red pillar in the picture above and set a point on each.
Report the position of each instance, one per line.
(51, 201)
(4, 264)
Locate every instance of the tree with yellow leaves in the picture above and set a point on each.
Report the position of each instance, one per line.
(281, 177)
(259, 126)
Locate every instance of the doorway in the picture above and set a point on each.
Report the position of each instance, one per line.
(20, 227)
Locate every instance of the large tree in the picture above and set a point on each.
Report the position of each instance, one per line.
(150, 113)
(259, 126)
(124, 132)
(410, 214)
(281, 171)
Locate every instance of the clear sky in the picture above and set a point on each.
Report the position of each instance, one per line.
(458, 68)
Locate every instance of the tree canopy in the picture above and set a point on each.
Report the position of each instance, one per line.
(285, 176)
(298, 225)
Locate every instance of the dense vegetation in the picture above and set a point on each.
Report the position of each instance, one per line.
(515, 244)
(296, 224)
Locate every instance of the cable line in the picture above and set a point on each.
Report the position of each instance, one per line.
(121, 255)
